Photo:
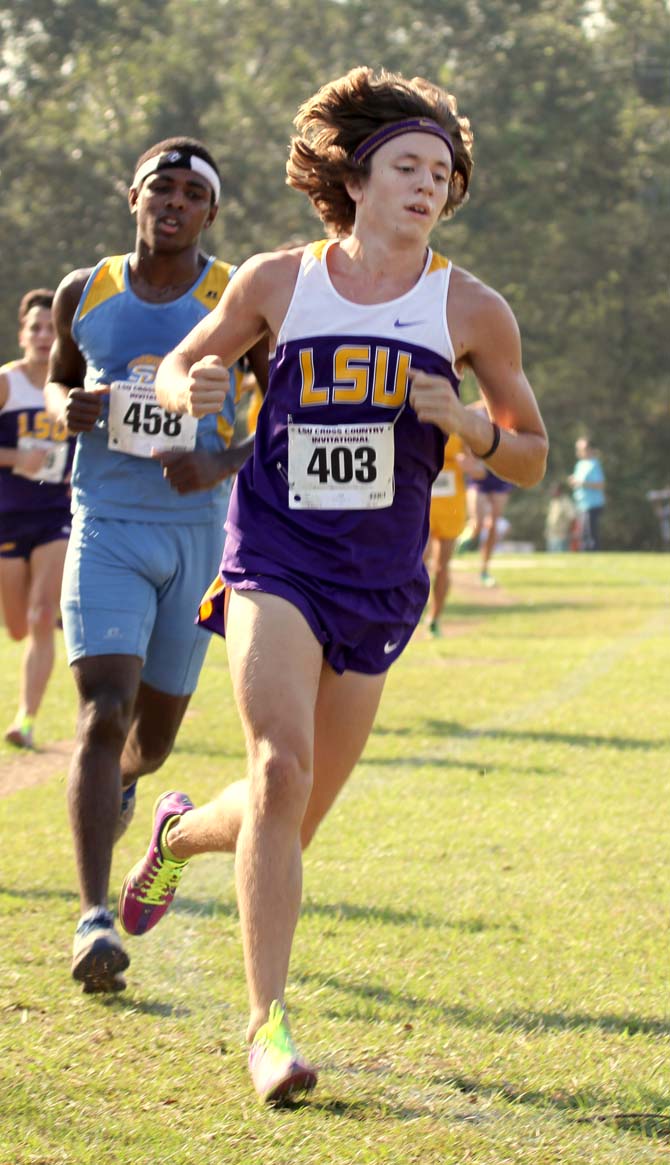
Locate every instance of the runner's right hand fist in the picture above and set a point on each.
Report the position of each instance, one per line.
(207, 386)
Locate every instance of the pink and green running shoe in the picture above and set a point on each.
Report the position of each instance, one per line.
(150, 886)
(277, 1069)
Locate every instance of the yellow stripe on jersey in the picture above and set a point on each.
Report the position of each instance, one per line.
(318, 248)
(237, 378)
(224, 430)
(107, 283)
(214, 284)
(438, 261)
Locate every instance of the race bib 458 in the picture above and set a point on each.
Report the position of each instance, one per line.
(139, 425)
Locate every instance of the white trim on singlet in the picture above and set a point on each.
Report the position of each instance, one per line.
(317, 308)
(22, 393)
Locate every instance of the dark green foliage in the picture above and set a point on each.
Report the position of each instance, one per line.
(569, 208)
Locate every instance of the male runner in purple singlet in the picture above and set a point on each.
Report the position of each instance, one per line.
(322, 581)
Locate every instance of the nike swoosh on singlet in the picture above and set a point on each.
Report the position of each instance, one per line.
(407, 323)
(389, 647)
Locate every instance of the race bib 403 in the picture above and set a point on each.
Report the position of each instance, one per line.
(340, 467)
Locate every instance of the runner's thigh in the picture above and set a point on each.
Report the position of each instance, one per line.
(275, 663)
(177, 646)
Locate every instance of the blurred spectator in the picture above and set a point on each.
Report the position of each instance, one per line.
(560, 520)
(660, 500)
(588, 491)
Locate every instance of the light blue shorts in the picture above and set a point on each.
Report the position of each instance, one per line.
(133, 588)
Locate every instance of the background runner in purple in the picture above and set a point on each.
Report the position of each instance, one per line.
(487, 500)
(34, 512)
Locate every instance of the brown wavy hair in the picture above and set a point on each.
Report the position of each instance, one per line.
(333, 122)
(38, 297)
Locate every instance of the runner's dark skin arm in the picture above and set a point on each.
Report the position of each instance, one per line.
(65, 396)
(79, 408)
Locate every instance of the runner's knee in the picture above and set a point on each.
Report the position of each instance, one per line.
(281, 785)
(42, 617)
(149, 746)
(104, 721)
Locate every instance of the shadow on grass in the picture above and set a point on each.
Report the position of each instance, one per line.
(646, 1124)
(533, 1022)
(347, 911)
(352, 1109)
(350, 912)
(337, 911)
(433, 760)
(438, 1098)
(452, 729)
(36, 893)
(654, 1123)
(129, 1003)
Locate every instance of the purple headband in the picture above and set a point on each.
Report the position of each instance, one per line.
(394, 129)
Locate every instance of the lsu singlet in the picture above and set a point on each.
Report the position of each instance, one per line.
(339, 485)
(24, 420)
(123, 338)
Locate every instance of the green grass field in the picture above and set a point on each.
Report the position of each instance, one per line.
(481, 968)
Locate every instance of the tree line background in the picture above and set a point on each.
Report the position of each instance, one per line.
(568, 215)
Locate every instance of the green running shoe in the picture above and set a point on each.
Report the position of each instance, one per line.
(277, 1069)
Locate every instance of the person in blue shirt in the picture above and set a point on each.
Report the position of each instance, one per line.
(588, 491)
(149, 503)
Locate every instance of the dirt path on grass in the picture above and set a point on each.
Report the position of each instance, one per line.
(31, 767)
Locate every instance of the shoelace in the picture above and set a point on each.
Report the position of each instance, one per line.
(161, 880)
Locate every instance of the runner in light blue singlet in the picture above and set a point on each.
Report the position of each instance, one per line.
(149, 501)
